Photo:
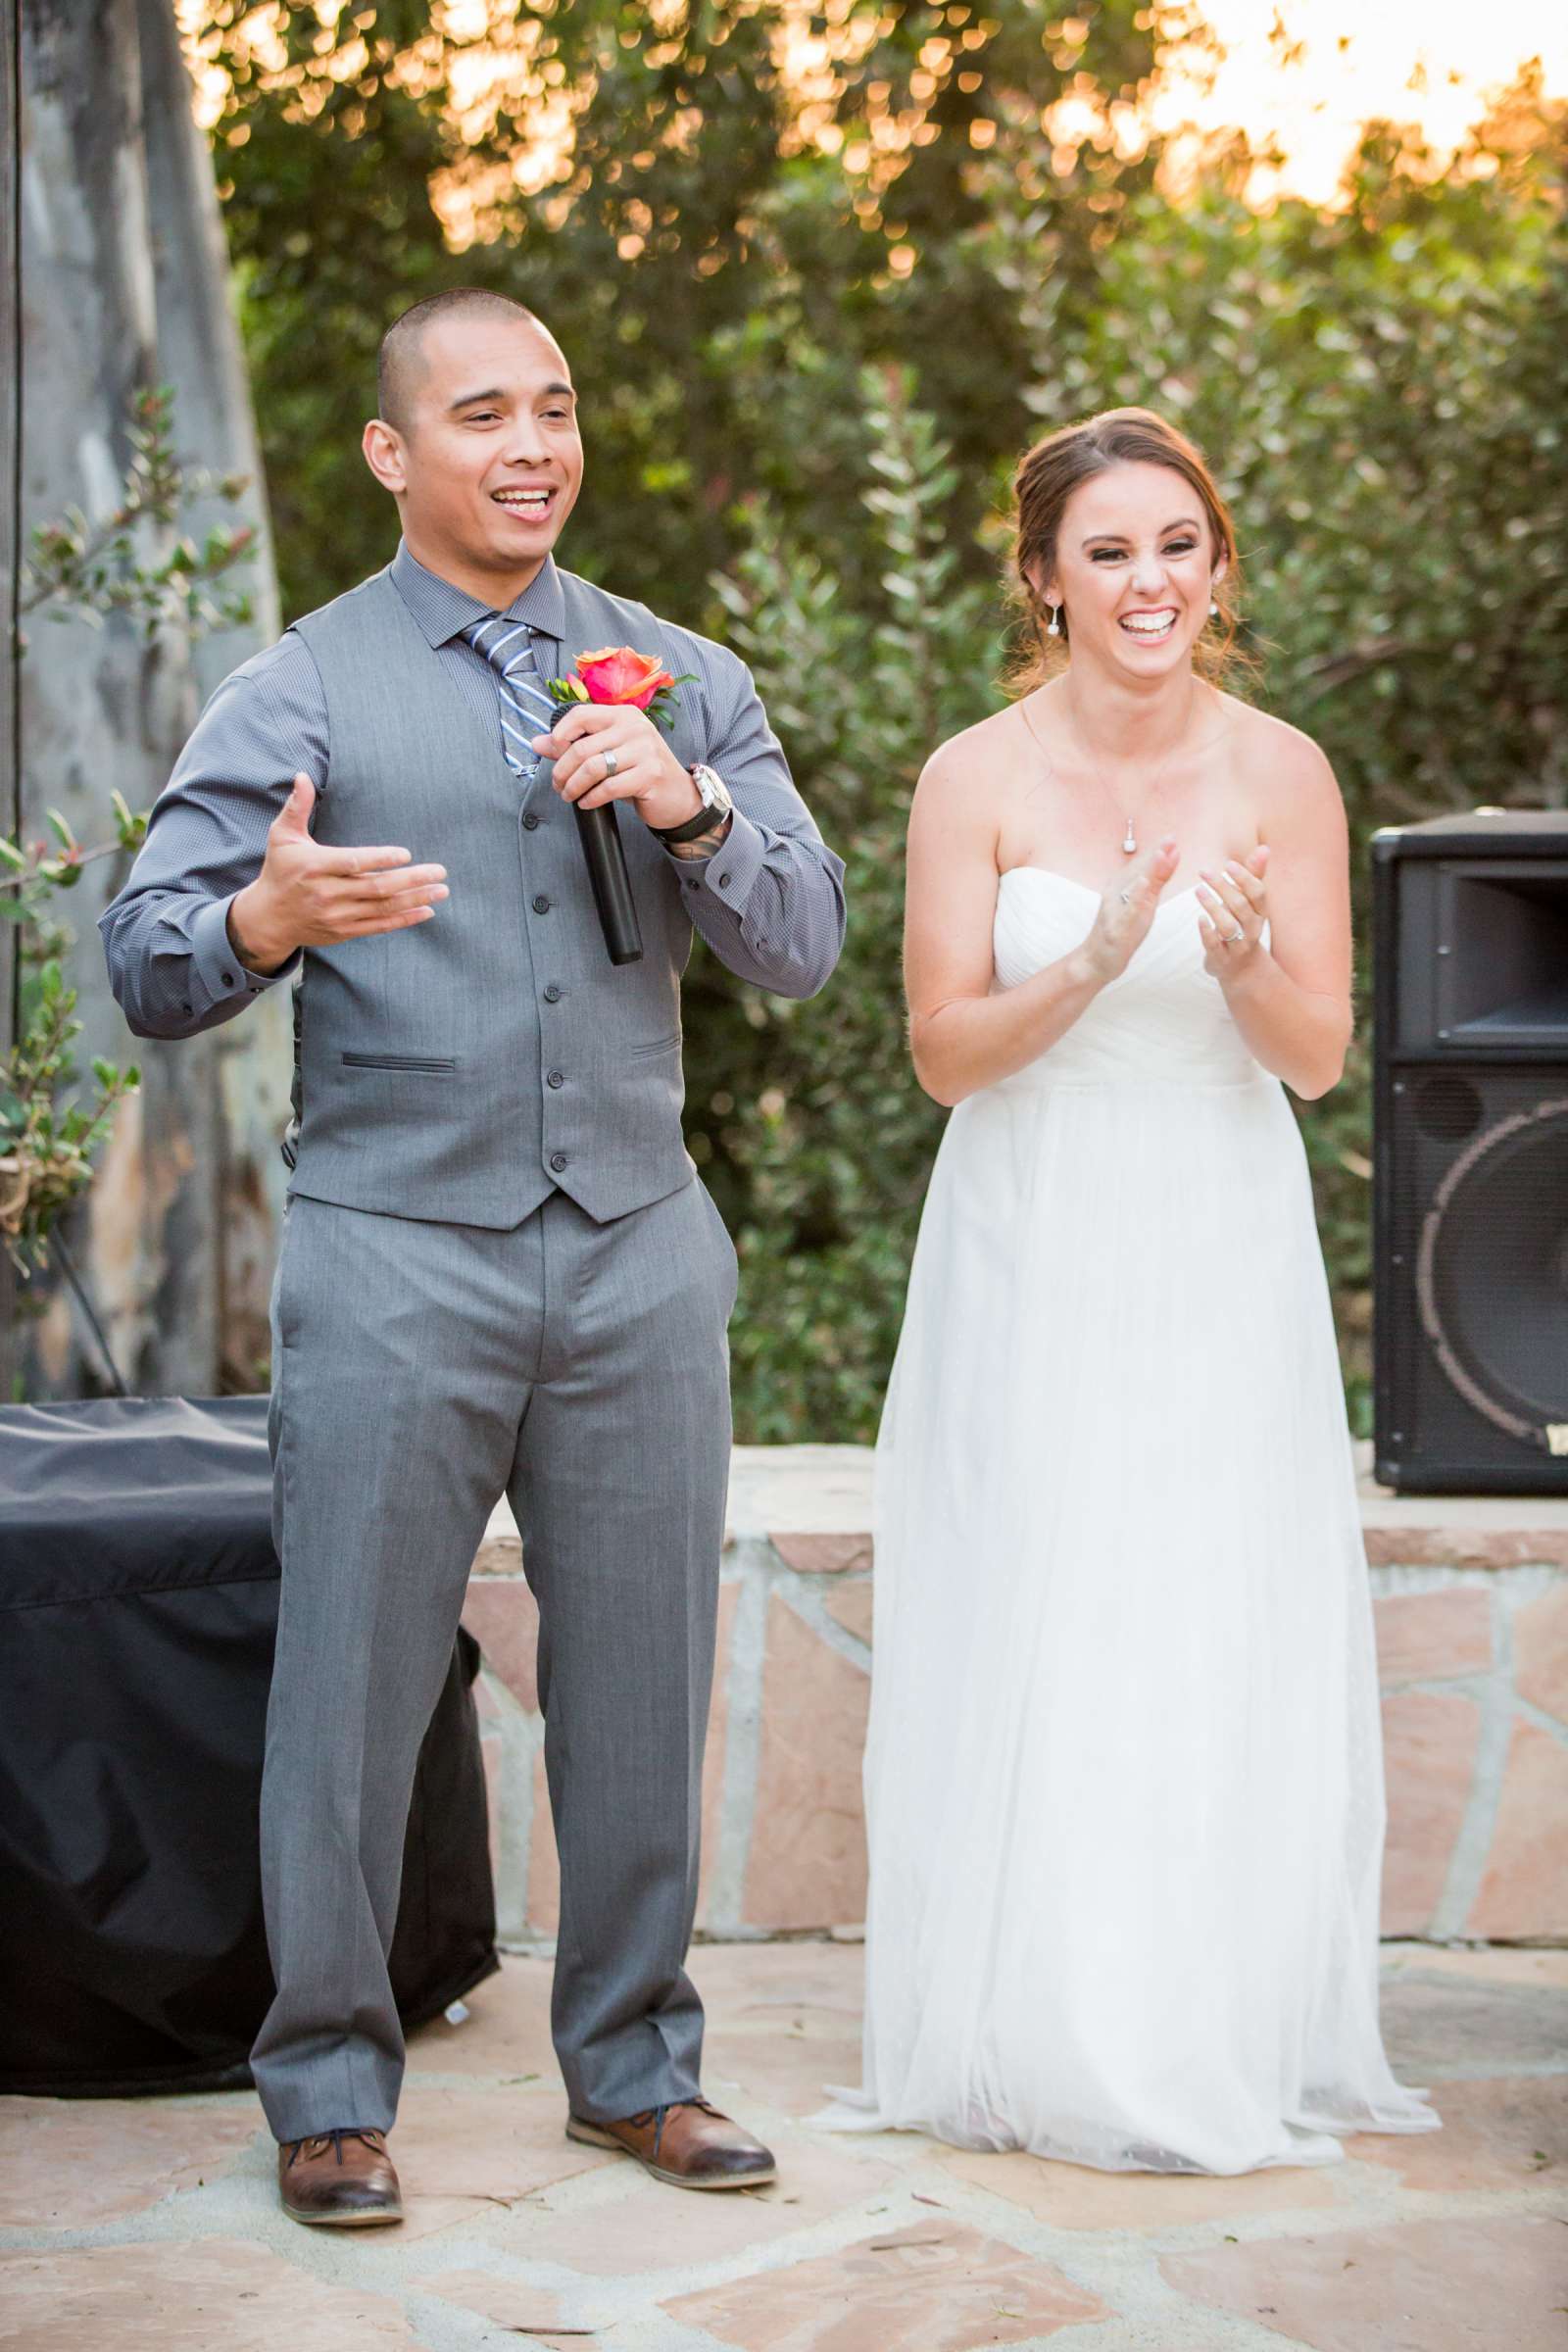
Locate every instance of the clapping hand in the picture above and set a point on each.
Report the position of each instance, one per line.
(1128, 909)
(1232, 911)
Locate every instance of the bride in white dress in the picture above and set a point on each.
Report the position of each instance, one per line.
(1125, 1783)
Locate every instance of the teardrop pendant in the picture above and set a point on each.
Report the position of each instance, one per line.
(1130, 842)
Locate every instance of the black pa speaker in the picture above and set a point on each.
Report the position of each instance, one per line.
(1470, 1196)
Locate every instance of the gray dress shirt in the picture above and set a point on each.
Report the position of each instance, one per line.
(769, 904)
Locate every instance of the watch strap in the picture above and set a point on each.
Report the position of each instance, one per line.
(694, 826)
(707, 817)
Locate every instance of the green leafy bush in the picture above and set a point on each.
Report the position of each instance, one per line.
(806, 376)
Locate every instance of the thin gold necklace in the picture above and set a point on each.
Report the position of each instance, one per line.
(1129, 839)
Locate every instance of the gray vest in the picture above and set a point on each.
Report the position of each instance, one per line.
(463, 1069)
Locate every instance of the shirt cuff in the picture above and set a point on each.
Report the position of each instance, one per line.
(217, 970)
(729, 872)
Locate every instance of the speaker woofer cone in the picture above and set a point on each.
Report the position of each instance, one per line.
(1492, 1275)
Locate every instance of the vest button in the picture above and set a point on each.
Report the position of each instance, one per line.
(541, 905)
(558, 1078)
(558, 1160)
(552, 993)
(530, 823)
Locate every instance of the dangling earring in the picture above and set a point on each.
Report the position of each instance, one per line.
(1213, 609)
(1055, 629)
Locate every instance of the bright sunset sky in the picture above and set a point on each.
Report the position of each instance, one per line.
(1430, 63)
(1360, 59)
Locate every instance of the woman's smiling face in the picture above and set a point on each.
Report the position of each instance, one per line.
(1134, 568)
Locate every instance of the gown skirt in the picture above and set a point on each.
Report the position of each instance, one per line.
(1124, 1777)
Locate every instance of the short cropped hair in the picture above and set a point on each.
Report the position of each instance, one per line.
(397, 362)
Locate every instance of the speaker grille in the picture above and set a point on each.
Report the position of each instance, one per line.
(1472, 1281)
(1491, 1273)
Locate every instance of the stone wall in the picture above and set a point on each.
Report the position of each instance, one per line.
(1471, 1602)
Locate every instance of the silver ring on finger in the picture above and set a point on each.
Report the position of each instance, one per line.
(1230, 937)
(612, 762)
(1126, 897)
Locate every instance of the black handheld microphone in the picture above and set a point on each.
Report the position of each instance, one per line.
(605, 854)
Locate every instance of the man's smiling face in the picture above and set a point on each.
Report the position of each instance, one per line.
(485, 456)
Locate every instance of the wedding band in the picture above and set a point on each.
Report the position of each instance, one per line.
(1126, 897)
(611, 763)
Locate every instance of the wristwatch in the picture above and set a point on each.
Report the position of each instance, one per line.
(716, 806)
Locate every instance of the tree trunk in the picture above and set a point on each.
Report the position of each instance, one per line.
(10, 560)
(124, 286)
(198, 354)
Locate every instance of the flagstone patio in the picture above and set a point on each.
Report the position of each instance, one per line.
(152, 2225)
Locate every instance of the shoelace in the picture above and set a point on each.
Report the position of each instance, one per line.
(657, 2116)
(319, 2142)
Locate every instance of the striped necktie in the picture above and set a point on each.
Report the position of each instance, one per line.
(526, 709)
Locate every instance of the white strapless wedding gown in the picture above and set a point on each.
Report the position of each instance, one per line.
(1125, 1780)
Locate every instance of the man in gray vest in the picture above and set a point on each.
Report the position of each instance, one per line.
(500, 1271)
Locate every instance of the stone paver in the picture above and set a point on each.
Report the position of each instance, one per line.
(1070, 2196)
(1426, 1636)
(489, 2141)
(1429, 1747)
(783, 2057)
(519, 2310)
(544, 1863)
(1421, 2287)
(503, 1617)
(930, 2288)
(65, 2164)
(1491, 1964)
(852, 1605)
(186, 2298)
(1541, 1646)
(507, 2036)
(807, 1858)
(152, 2225)
(649, 2235)
(1500, 2134)
(1513, 2023)
(1525, 1891)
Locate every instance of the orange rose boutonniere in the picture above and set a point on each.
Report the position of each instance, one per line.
(617, 674)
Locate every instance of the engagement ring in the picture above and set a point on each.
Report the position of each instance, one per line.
(1230, 937)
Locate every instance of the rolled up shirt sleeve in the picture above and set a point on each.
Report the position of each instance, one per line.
(172, 964)
(769, 900)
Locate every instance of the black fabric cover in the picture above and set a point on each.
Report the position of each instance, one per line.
(138, 1605)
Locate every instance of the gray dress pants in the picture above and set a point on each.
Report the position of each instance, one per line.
(420, 1371)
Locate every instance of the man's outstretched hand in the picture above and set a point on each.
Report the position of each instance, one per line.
(309, 895)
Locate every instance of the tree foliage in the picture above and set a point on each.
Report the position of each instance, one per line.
(134, 565)
(817, 299)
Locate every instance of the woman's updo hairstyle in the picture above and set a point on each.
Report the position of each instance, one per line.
(1046, 479)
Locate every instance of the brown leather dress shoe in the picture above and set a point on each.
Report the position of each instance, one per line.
(689, 2144)
(339, 2181)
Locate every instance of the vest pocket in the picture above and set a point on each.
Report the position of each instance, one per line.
(426, 1064)
(658, 1044)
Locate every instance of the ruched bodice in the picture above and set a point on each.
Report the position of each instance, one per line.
(1163, 1019)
